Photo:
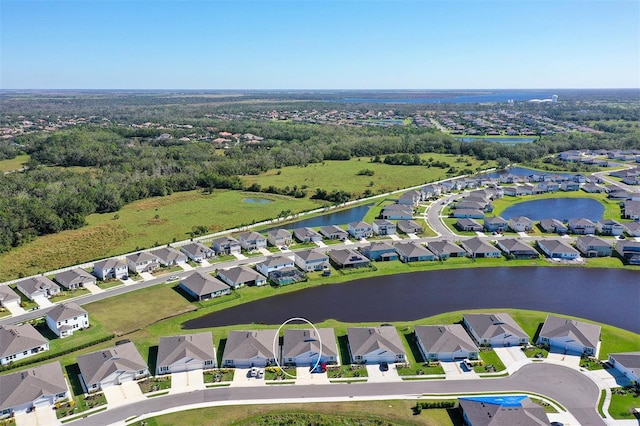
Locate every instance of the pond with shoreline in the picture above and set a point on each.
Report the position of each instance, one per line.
(610, 296)
(557, 208)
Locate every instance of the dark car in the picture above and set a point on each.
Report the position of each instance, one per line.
(384, 366)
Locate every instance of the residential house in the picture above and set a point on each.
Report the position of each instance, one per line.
(548, 186)
(496, 330)
(557, 249)
(38, 286)
(360, 229)
(279, 237)
(8, 297)
(379, 251)
(582, 226)
(383, 227)
(74, 279)
(520, 224)
(517, 249)
(347, 258)
(311, 260)
(251, 241)
(513, 191)
(627, 363)
(142, 262)
(203, 286)
(35, 387)
(609, 227)
(445, 249)
(309, 347)
(254, 348)
(411, 198)
(409, 227)
(591, 246)
(168, 256)
(495, 224)
(478, 248)
(273, 263)
(570, 336)
(187, 352)
(468, 225)
(334, 232)
(374, 345)
(66, 318)
(568, 186)
(445, 343)
(473, 214)
(631, 210)
(553, 226)
(632, 228)
(510, 410)
(413, 252)
(287, 275)
(592, 188)
(629, 251)
(618, 194)
(431, 191)
(469, 205)
(240, 276)
(110, 268)
(307, 235)
(397, 212)
(226, 245)
(112, 366)
(20, 341)
(197, 252)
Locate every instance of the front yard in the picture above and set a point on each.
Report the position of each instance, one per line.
(623, 401)
(535, 352)
(215, 376)
(491, 362)
(346, 371)
(276, 373)
(152, 384)
(79, 404)
(591, 364)
(420, 369)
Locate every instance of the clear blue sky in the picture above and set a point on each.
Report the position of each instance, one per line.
(306, 44)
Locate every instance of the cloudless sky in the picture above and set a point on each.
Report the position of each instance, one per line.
(307, 44)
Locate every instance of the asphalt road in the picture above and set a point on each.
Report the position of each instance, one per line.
(573, 390)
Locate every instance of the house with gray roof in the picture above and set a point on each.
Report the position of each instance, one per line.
(334, 232)
(520, 224)
(570, 336)
(581, 226)
(592, 246)
(186, 352)
(202, 286)
(36, 387)
(374, 345)
(488, 411)
(252, 348)
(383, 227)
(495, 224)
(628, 363)
(397, 212)
(629, 251)
(445, 343)
(307, 235)
(251, 241)
(479, 249)
(553, 226)
(226, 245)
(609, 227)
(113, 366)
(496, 330)
(8, 297)
(66, 318)
(557, 249)
(413, 252)
(142, 262)
(468, 225)
(306, 347)
(445, 249)
(168, 256)
(38, 286)
(517, 249)
(240, 276)
(631, 210)
(410, 198)
(360, 229)
(279, 237)
(347, 258)
(197, 251)
(409, 227)
(468, 213)
(274, 263)
(20, 341)
(379, 251)
(632, 228)
(311, 260)
(110, 268)
(74, 279)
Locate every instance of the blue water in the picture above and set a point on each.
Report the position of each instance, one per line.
(557, 208)
(462, 99)
(257, 200)
(500, 140)
(337, 218)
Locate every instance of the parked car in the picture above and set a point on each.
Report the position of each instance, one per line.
(384, 366)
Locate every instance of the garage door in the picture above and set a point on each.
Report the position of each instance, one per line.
(125, 377)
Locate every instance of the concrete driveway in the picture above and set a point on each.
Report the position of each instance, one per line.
(15, 309)
(454, 371)
(187, 381)
(305, 377)
(42, 301)
(146, 276)
(44, 416)
(186, 267)
(378, 376)
(94, 289)
(510, 355)
(126, 393)
(241, 377)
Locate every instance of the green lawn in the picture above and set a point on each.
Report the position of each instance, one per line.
(421, 369)
(346, 371)
(489, 358)
(153, 384)
(218, 375)
(14, 163)
(622, 401)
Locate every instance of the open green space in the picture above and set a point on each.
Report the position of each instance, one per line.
(623, 401)
(13, 163)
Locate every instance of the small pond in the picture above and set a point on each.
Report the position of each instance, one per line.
(557, 208)
(257, 200)
(336, 218)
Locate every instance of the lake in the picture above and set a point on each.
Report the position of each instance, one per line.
(352, 214)
(557, 208)
(610, 296)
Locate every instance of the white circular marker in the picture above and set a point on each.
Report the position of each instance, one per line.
(277, 337)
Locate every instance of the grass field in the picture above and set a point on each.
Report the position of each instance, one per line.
(13, 164)
(343, 175)
(365, 413)
(622, 402)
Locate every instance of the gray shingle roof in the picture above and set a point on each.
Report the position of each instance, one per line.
(488, 326)
(241, 274)
(347, 257)
(169, 255)
(482, 413)
(65, 311)
(276, 260)
(197, 346)
(109, 264)
(202, 284)
(8, 295)
(412, 250)
(444, 247)
(250, 344)
(305, 233)
(19, 338)
(143, 256)
(74, 276)
(514, 244)
(557, 246)
(586, 334)
(629, 360)
(311, 255)
(28, 385)
(39, 283)
(364, 340)
(476, 245)
(196, 249)
(445, 338)
(97, 366)
(301, 341)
